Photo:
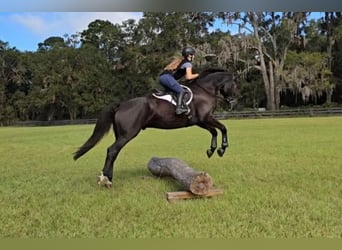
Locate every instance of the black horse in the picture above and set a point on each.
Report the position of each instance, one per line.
(130, 117)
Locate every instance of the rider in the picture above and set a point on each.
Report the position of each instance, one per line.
(176, 70)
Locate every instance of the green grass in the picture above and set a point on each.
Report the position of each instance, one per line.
(281, 179)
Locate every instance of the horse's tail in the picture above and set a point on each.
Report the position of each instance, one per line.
(103, 124)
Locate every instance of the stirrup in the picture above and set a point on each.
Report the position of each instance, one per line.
(182, 110)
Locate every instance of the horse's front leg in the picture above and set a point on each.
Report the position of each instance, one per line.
(213, 144)
(215, 123)
(224, 144)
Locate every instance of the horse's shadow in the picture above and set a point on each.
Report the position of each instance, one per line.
(144, 175)
(124, 177)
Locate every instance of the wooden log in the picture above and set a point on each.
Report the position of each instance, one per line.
(181, 195)
(197, 182)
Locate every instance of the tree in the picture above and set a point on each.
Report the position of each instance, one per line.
(269, 35)
(307, 73)
(51, 42)
(320, 37)
(105, 36)
(69, 82)
(150, 43)
(331, 26)
(14, 84)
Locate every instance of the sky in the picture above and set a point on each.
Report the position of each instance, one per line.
(24, 30)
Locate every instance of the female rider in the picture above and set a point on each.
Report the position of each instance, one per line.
(176, 70)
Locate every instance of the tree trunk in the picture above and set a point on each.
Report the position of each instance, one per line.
(272, 86)
(196, 182)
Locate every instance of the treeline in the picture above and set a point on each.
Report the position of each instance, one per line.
(281, 58)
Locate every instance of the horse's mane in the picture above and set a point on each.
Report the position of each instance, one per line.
(208, 71)
(205, 73)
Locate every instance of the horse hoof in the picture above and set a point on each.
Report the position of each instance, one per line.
(108, 184)
(209, 153)
(100, 180)
(220, 152)
(103, 180)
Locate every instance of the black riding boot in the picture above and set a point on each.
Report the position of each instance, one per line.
(180, 109)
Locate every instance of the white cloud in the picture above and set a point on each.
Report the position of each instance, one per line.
(60, 23)
(80, 20)
(34, 23)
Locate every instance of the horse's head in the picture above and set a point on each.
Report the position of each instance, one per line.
(219, 81)
(229, 89)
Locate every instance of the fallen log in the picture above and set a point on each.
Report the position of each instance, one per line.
(197, 182)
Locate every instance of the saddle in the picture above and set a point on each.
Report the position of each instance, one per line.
(171, 97)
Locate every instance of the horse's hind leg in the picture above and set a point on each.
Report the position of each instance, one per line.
(127, 125)
(112, 153)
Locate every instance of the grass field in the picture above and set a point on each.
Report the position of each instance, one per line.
(282, 178)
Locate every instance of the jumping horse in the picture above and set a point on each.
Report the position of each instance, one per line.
(128, 118)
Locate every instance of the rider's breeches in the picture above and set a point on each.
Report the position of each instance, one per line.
(169, 82)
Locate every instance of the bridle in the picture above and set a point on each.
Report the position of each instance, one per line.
(218, 96)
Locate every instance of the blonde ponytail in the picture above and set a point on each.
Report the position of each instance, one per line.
(173, 65)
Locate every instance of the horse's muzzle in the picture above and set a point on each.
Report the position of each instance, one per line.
(232, 100)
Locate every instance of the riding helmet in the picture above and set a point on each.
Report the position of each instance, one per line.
(188, 51)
